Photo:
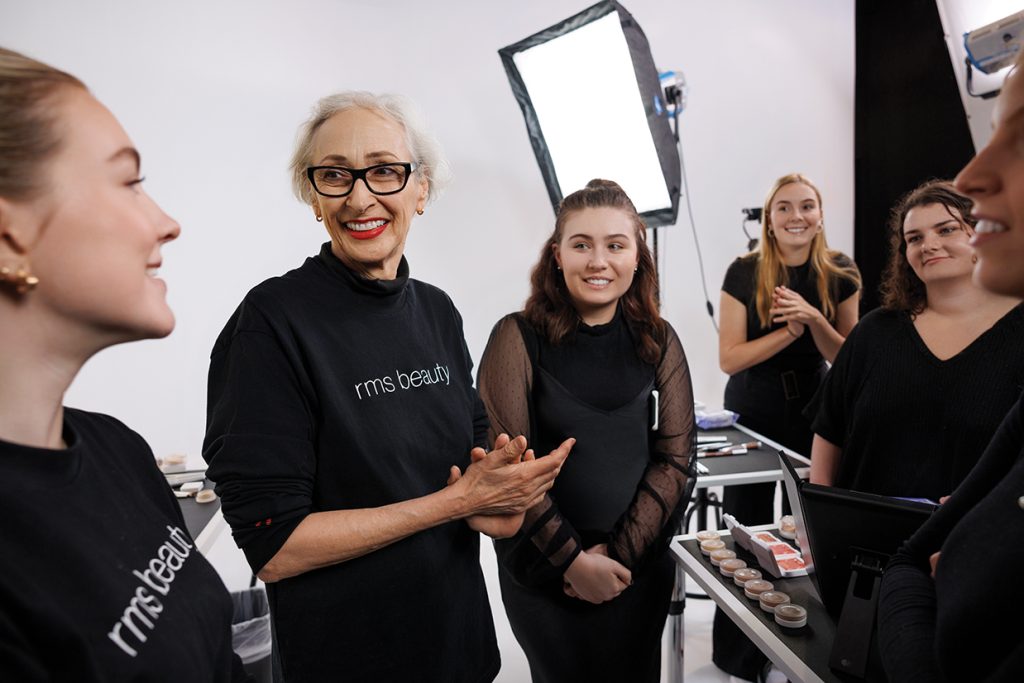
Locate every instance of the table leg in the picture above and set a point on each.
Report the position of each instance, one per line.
(676, 628)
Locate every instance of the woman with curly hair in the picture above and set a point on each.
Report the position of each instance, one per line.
(942, 614)
(590, 357)
(922, 383)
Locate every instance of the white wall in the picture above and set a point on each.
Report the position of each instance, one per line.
(212, 93)
(960, 17)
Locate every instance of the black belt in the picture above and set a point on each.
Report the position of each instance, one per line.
(790, 385)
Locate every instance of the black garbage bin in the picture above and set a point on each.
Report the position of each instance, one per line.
(250, 633)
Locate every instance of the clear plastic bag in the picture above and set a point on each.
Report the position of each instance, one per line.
(251, 636)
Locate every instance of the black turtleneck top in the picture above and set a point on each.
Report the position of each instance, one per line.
(328, 391)
(600, 367)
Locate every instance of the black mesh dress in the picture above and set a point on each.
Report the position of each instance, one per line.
(624, 484)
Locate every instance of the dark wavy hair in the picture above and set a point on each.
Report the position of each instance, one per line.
(901, 289)
(550, 309)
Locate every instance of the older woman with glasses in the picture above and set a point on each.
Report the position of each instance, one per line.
(341, 411)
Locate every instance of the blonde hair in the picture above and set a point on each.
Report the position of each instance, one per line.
(771, 269)
(28, 135)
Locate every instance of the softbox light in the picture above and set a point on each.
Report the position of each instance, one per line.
(594, 108)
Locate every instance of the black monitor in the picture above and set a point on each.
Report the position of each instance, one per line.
(848, 537)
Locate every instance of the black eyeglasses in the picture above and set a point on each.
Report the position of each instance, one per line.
(380, 179)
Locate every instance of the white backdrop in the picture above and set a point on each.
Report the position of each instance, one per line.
(212, 94)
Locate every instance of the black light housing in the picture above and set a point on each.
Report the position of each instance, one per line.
(594, 108)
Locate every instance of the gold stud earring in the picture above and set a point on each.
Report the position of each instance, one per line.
(319, 218)
(21, 279)
(419, 212)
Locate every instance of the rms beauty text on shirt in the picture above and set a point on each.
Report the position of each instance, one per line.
(413, 379)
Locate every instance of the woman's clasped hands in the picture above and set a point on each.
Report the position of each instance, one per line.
(791, 308)
(595, 577)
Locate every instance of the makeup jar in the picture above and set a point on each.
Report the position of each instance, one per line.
(753, 589)
(717, 556)
(772, 599)
(790, 616)
(741, 576)
(711, 544)
(729, 567)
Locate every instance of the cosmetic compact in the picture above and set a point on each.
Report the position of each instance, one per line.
(790, 616)
(741, 576)
(753, 589)
(206, 496)
(711, 544)
(770, 600)
(729, 567)
(717, 556)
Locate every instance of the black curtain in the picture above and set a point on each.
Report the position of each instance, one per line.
(909, 125)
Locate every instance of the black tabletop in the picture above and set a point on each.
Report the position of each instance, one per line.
(812, 643)
(763, 459)
(198, 515)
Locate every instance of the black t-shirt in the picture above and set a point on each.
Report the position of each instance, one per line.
(965, 624)
(910, 424)
(741, 283)
(328, 391)
(99, 579)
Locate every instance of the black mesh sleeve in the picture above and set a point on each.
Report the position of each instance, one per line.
(662, 494)
(505, 381)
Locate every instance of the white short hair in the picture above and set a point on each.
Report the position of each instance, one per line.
(426, 151)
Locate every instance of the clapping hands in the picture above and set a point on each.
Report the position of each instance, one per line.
(500, 486)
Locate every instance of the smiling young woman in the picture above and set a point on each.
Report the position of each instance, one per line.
(590, 357)
(86, 513)
(921, 383)
(785, 310)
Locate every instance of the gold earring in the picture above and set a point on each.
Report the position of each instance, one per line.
(419, 212)
(319, 218)
(21, 279)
